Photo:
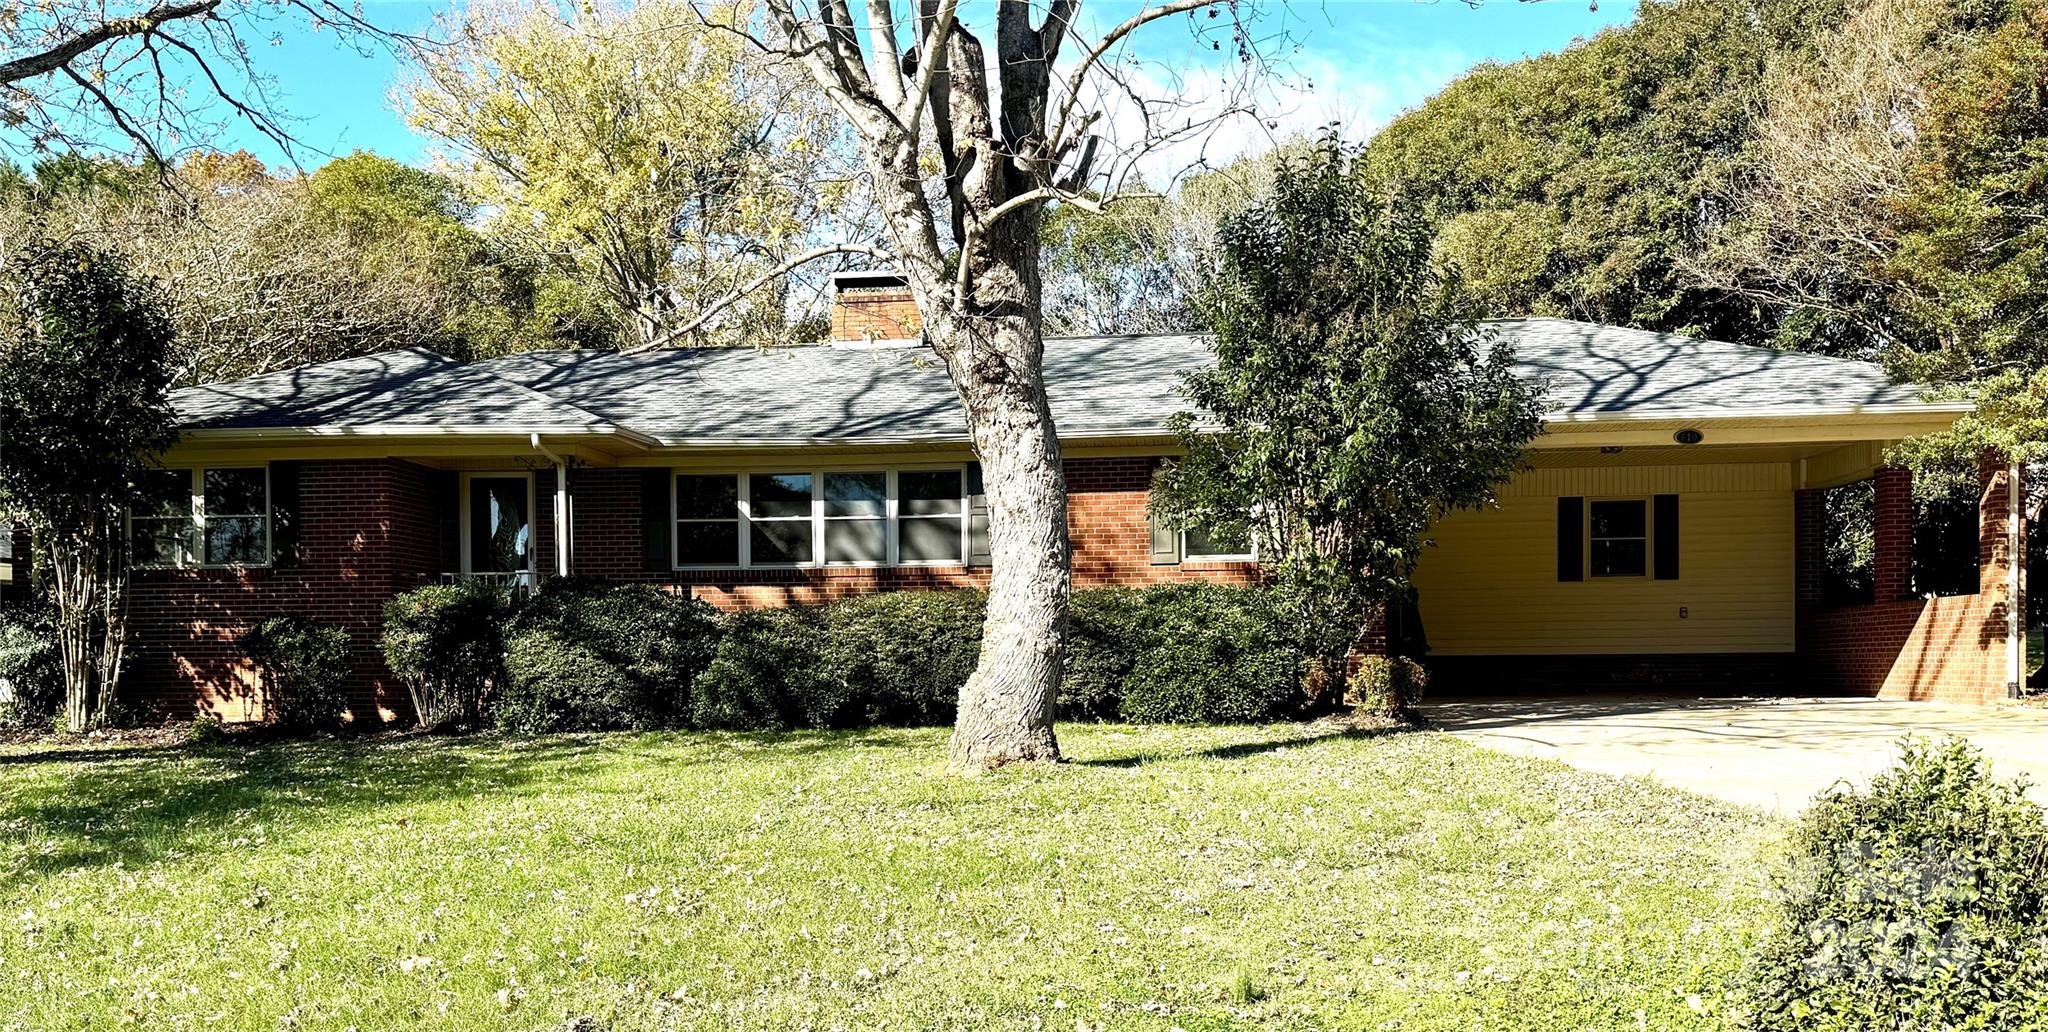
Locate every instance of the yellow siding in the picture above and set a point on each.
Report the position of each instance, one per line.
(1491, 587)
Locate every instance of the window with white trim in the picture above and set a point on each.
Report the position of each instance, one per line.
(1206, 545)
(708, 520)
(810, 518)
(207, 516)
(781, 519)
(1618, 537)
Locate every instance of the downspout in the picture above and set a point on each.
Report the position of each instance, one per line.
(561, 506)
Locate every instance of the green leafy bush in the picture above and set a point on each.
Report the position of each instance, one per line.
(445, 642)
(31, 675)
(305, 670)
(587, 655)
(1213, 654)
(1921, 903)
(770, 672)
(1387, 686)
(1106, 633)
(903, 655)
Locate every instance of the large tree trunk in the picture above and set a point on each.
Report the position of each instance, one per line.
(1006, 708)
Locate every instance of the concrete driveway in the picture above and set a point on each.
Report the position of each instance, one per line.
(1771, 753)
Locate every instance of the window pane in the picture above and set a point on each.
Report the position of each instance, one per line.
(164, 492)
(780, 494)
(500, 530)
(234, 492)
(708, 544)
(707, 498)
(856, 494)
(928, 492)
(234, 540)
(786, 541)
(930, 540)
(1204, 542)
(1619, 519)
(1618, 557)
(160, 542)
(854, 541)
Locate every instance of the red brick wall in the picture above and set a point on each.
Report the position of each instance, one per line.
(367, 531)
(1949, 649)
(371, 529)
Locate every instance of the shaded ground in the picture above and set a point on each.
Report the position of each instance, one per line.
(1770, 753)
(1193, 878)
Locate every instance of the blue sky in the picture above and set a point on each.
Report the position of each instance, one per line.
(1367, 60)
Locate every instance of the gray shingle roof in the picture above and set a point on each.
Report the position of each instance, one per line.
(392, 389)
(1099, 387)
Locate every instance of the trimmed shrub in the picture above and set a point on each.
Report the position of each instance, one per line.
(586, 655)
(445, 642)
(1106, 633)
(770, 672)
(1387, 686)
(305, 671)
(1919, 904)
(1215, 654)
(903, 655)
(31, 674)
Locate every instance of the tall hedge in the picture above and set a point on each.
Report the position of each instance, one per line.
(591, 655)
(446, 644)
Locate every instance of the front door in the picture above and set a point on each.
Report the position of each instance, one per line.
(499, 535)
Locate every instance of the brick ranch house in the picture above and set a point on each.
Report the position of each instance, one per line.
(1668, 531)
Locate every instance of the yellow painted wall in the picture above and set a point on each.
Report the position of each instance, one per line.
(1491, 587)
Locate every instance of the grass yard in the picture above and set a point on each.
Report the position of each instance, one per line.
(1205, 878)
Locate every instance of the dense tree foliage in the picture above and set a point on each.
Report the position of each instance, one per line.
(267, 270)
(86, 347)
(1354, 400)
(655, 162)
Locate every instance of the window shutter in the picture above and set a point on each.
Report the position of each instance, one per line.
(977, 519)
(1165, 539)
(1571, 539)
(657, 507)
(1664, 535)
(446, 485)
(286, 543)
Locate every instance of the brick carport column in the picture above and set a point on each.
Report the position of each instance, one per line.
(2001, 552)
(1891, 566)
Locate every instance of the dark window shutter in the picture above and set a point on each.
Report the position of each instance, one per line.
(1664, 535)
(287, 547)
(657, 505)
(446, 485)
(1571, 539)
(977, 519)
(1165, 539)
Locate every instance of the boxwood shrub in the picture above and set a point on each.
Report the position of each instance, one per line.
(305, 671)
(769, 673)
(590, 655)
(1921, 903)
(446, 644)
(903, 655)
(1107, 632)
(1213, 654)
(29, 664)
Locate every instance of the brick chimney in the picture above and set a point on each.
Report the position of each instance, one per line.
(873, 308)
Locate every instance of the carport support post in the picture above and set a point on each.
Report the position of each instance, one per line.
(1892, 565)
(2001, 556)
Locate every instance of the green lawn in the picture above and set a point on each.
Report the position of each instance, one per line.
(1184, 878)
